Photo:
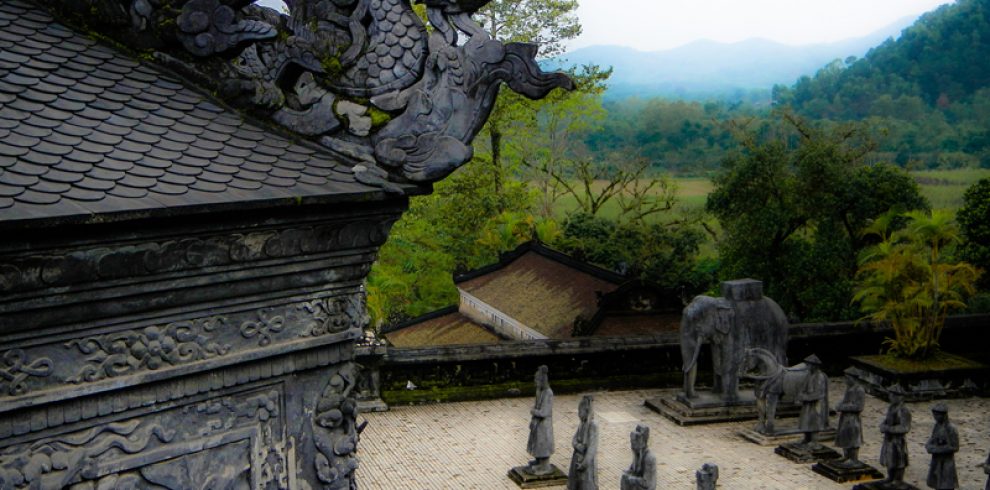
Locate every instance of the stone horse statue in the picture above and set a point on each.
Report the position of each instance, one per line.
(778, 383)
(740, 319)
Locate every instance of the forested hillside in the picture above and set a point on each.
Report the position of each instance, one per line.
(929, 90)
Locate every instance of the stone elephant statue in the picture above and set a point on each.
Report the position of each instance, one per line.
(739, 320)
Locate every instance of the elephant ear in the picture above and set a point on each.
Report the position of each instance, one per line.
(724, 318)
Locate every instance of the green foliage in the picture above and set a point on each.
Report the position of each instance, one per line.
(458, 227)
(924, 89)
(911, 280)
(659, 253)
(792, 204)
(974, 219)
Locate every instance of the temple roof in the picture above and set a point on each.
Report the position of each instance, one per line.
(87, 130)
(442, 327)
(540, 287)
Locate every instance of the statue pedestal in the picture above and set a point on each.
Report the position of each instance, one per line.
(841, 472)
(707, 408)
(781, 436)
(884, 485)
(807, 453)
(525, 479)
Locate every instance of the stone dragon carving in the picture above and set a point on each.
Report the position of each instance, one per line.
(365, 79)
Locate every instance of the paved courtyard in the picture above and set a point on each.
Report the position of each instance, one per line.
(471, 445)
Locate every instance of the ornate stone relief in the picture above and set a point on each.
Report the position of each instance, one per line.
(106, 263)
(150, 348)
(17, 368)
(172, 450)
(335, 430)
(158, 347)
(365, 79)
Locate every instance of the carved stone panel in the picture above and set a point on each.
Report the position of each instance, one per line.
(153, 351)
(231, 441)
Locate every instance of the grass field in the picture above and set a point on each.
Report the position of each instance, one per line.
(943, 188)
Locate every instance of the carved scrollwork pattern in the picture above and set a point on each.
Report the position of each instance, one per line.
(335, 314)
(17, 368)
(263, 327)
(108, 263)
(218, 443)
(150, 348)
(59, 462)
(336, 431)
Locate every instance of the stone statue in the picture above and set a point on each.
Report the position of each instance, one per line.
(814, 401)
(642, 474)
(942, 445)
(740, 319)
(707, 477)
(583, 474)
(368, 80)
(540, 444)
(849, 435)
(895, 426)
(780, 383)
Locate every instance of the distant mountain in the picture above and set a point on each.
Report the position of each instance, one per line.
(707, 69)
(940, 61)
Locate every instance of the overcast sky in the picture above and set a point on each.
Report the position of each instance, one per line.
(662, 24)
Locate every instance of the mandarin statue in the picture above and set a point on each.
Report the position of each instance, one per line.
(540, 443)
(642, 473)
(583, 474)
(943, 445)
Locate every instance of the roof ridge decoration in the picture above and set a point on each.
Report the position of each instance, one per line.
(363, 78)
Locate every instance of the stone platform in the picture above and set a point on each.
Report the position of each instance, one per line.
(965, 378)
(525, 479)
(801, 453)
(837, 471)
(882, 485)
(781, 436)
(708, 409)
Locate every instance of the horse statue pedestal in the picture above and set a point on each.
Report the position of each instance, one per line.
(704, 408)
(885, 485)
(782, 435)
(526, 479)
(846, 471)
(800, 452)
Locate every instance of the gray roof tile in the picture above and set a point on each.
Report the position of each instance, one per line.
(110, 133)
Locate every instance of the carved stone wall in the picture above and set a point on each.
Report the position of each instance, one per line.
(200, 334)
(147, 357)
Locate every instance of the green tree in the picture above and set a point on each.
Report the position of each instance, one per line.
(792, 203)
(549, 23)
(910, 280)
(661, 253)
(974, 219)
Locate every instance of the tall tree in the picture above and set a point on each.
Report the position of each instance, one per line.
(792, 205)
(548, 23)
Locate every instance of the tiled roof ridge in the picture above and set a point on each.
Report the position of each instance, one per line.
(87, 130)
(420, 319)
(538, 247)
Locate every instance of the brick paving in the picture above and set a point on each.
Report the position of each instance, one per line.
(471, 445)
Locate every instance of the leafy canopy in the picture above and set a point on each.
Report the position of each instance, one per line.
(911, 281)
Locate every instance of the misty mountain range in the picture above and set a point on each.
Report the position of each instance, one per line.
(745, 70)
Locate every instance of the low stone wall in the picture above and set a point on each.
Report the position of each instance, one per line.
(454, 373)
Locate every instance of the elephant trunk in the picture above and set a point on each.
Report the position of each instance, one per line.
(688, 365)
